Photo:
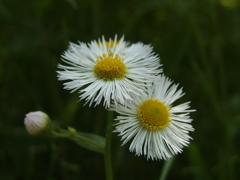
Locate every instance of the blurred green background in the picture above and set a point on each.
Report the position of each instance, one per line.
(198, 42)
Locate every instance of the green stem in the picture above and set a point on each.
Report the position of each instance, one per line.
(61, 135)
(107, 154)
(166, 167)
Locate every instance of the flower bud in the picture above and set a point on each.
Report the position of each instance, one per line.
(72, 131)
(37, 123)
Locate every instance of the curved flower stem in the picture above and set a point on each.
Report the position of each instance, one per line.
(166, 167)
(107, 154)
(61, 135)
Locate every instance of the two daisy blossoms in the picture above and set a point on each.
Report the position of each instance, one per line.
(127, 78)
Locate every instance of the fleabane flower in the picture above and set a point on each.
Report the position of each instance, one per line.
(158, 129)
(108, 70)
(37, 123)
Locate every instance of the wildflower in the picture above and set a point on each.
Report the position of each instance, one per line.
(158, 129)
(37, 123)
(108, 70)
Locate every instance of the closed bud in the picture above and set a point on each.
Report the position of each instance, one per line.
(37, 123)
(72, 131)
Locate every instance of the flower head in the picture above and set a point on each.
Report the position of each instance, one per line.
(157, 128)
(37, 123)
(108, 70)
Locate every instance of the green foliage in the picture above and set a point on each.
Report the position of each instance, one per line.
(90, 141)
(198, 43)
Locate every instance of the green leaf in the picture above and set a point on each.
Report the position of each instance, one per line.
(89, 141)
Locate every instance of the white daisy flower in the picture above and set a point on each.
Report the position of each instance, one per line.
(158, 130)
(108, 70)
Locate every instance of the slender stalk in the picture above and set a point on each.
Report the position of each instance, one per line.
(166, 167)
(81, 138)
(107, 154)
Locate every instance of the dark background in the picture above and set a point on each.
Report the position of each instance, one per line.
(198, 42)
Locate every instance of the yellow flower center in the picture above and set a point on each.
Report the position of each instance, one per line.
(110, 66)
(153, 114)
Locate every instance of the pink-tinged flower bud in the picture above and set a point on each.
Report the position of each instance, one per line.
(37, 123)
